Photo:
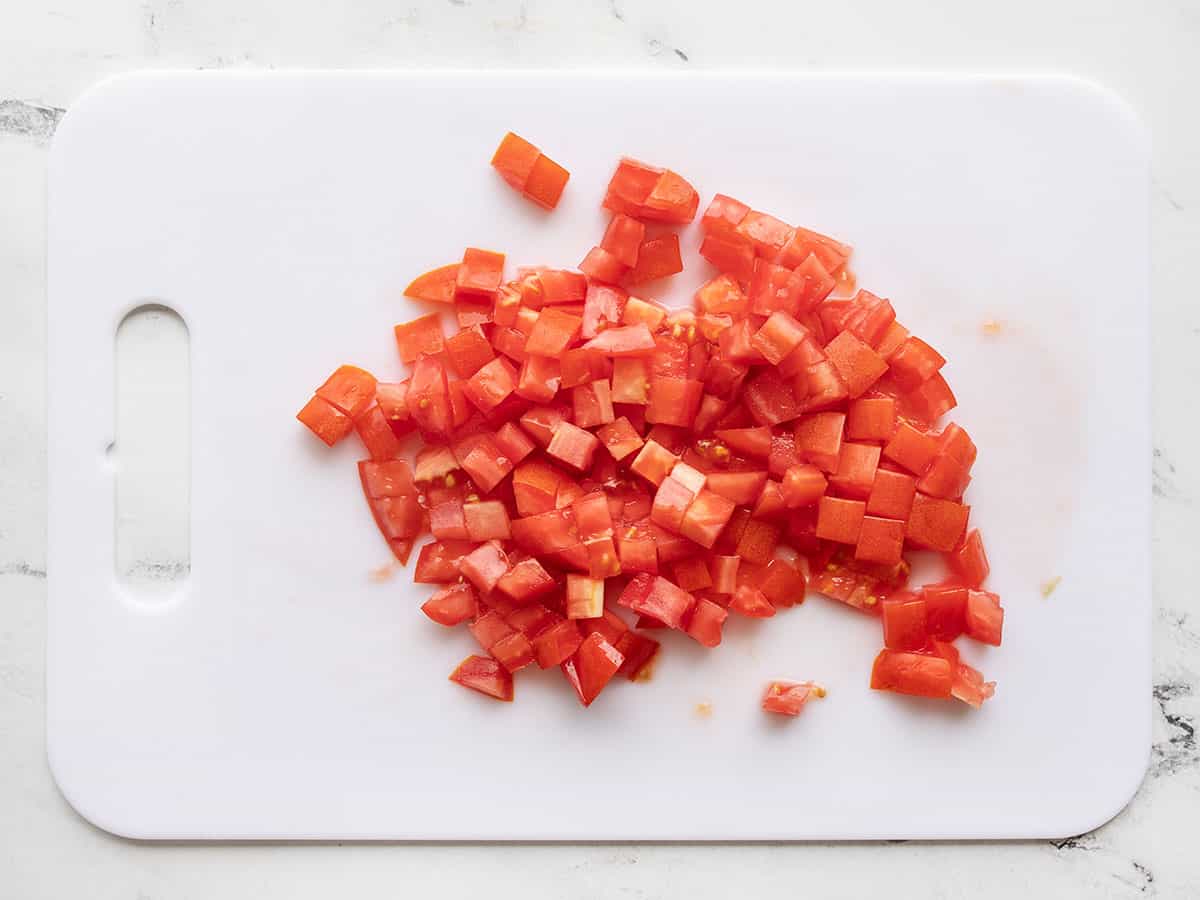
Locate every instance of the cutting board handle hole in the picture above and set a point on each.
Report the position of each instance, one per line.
(150, 456)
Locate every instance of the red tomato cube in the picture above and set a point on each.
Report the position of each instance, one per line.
(591, 667)
(485, 675)
(585, 597)
(788, 697)
(857, 465)
(969, 560)
(891, 494)
(818, 438)
(879, 540)
(936, 524)
(945, 610)
(452, 605)
(486, 520)
(484, 565)
(554, 645)
(526, 581)
(911, 673)
(619, 438)
(912, 448)
(871, 419)
(658, 598)
(984, 617)
(840, 520)
(803, 485)
(706, 517)
(573, 446)
(858, 365)
(705, 623)
(325, 420)
(593, 404)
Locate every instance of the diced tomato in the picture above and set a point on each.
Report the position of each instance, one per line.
(657, 258)
(437, 563)
(436, 285)
(914, 362)
(484, 565)
(783, 453)
(535, 487)
(832, 254)
(778, 337)
(871, 419)
(325, 420)
(880, 540)
(721, 295)
(936, 524)
(546, 532)
(349, 389)
(573, 446)
(619, 438)
(818, 439)
(789, 697)
(546, 182)
(750, 601)
(858, 365)
(654, 596)
(692, 574)
(585, 597)
(674, 401)
(968, 560)
(984, 617)
(593, 404)
(623, 237)
(526, 581)
(553, 332)
(770, 503)
(767, 234)
(376, 434)
(731, 254)
(911, 673)
(757, 542)
(706, 517)
(705, 623)
(452, 605)
(513, 442)
(770, 399)
(422, 335)
(803, 485)
(486, 520)
(912, 448)
(485, 675)
(554, 645)
(603, 308)
(627, 340)
(855, 475)
(945, 610)
(486, 463)
(928, 403)
(428, 396)
(514, 160)
(591, 667)
(603, 266)
(891, 494)
(723, 214)
(946, 478)
(738, 487)
(840, 519)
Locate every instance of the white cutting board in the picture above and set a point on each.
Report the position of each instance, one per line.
(283, 693)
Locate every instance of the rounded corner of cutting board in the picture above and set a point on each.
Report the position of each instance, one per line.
(75, 789)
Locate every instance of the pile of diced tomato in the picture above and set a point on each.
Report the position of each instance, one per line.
(596, 469)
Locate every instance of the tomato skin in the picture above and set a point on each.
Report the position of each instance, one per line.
(514, 160)
(435, 286)
(325, 420)
(912, 448)
(840, 519)
(903, 672)
(485, 675)
(880, 540)
(452, 605)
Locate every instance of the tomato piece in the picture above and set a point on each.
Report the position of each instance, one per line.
(539, 379)
(437, 563)
(891, 494)
(554, 645)
(774, 288)
(491, 385)
(766, 233)
(486, 520)
(436, 285)
(622, 238)
(782, 583)
(880, 540)
(608, 625)
(747, 441)
(657, 258)
(912, 448)
(581, 366)
(914, 362)
(723, 214)
(871, 419)
(855, 474)
(546, 182)
(945, 610)
(573, 446)
(484, 565)
(738, 487)
(486, 463)
(393, 478)
(592, 667)
(447, 520)
(904, 626)
(840, 520)
(630, 187)
(811, 284)
(968, 560)
(928, 403)
(601, 265)
(674, 401)
(818, 438)
(803, 243)
(393, 403)
(803, 485)
(706, 517)
(514, 160)
(788, 697)
(525, 581)
(627, 340)
(856, 363)
(513, 442)
(705, 623)
(619, 438)
(670, 504)
(824, 385)
(421, 335)
(731, 254)
(531, 620)
(658, 598)
(376, 434)
(778, 337)
(750, 601)
(770, 399)
(911, 673)
(468, 351)
(721, 295)
(593, 404)
(452, 605)
(485, 675)
(936, 524)
(984, 617)
(692, 574)
(638, 552)
(325, 420)
(946, 478)
(757, 542)
(480, 272)
(603, 308)
(349, 389)
(723, 572)
(428, 396)
(553, 332)
(541, 422)
(672, 200)
(585, 597)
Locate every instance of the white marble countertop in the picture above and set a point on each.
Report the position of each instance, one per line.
(50, 52)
